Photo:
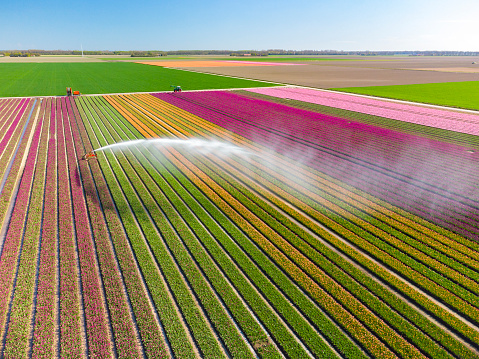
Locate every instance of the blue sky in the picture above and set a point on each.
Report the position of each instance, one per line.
(240, 24)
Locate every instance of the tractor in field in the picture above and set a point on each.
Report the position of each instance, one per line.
(177, 89)
(70, 92)
(90, 155)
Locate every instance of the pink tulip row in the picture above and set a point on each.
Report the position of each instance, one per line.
(427, 116)
(10, 252)
(121, 322)
(320, 140)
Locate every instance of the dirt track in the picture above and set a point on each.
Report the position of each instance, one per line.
(374, 71)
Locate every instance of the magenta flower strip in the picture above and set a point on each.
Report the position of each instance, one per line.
(121, 321)
(45, 317)
(14, 124)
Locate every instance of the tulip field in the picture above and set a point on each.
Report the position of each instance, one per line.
(233, 226)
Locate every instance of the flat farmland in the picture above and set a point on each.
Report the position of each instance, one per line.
(51, 79)
(224, 224)
(365, 71)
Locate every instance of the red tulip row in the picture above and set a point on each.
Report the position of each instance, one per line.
(96, 317)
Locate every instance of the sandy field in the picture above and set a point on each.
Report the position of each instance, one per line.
(205, 63)
(374, 71)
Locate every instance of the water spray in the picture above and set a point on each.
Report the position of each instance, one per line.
(197, 145)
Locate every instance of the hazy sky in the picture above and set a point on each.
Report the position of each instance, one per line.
(240, 24)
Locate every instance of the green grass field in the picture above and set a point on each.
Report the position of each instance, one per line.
(51, 79)
(454, 94)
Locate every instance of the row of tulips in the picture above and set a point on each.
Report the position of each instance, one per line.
(17, 341)
(148, 327)
(428, 116)
(254, 124)
(278, 328)
(44, 343)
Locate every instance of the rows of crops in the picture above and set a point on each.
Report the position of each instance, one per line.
(245, 244)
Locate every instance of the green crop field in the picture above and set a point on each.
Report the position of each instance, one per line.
(454, 94)
(51, 79)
